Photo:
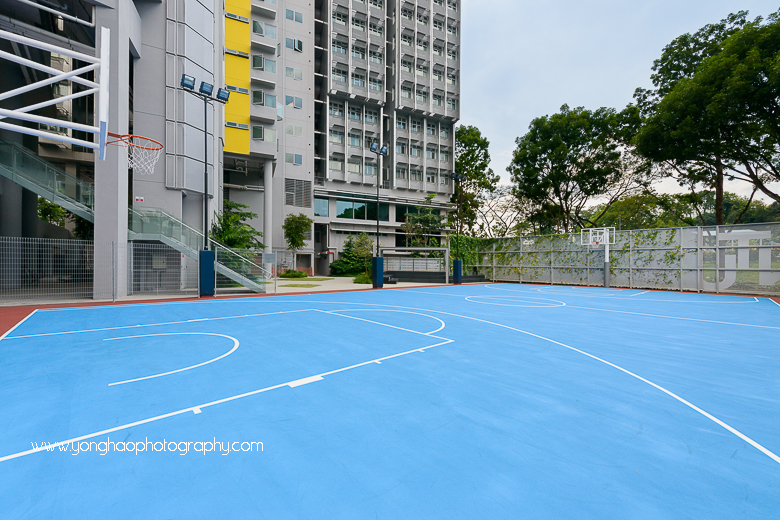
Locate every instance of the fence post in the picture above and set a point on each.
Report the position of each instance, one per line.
(113, 271)
(699, 258)
(493, 262)
(717, 259)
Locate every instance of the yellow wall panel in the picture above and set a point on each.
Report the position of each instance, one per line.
(237, 73)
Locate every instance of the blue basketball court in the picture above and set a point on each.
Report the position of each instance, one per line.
(486, 401)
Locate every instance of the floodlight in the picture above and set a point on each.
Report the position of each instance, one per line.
(374, 146)
(223, 95)
(383, 151)
(453, 176)
(206, 88)
(187, 82)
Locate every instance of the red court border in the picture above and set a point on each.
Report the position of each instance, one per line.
(12, 315)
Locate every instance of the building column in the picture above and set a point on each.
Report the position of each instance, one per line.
(268, 204)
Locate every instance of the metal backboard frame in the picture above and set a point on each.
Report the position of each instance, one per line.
(99, 88)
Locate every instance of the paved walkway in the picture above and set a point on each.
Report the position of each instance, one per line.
(326, 284)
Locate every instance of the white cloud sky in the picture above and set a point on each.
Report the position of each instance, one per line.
(523, 59)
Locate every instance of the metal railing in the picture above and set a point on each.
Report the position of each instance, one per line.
(430, 265)
(46, 180)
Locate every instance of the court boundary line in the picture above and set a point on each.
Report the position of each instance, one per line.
(773, 300)
(197, 409)
(17, 325)
(540, 291)
(707, 415)
(226, 354)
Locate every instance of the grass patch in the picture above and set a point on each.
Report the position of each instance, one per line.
(293, 274)
(304, 285)
(362, 278)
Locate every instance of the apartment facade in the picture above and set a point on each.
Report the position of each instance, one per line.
(316, 84)
(313, 84)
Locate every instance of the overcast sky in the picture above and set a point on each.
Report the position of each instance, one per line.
(523, 59)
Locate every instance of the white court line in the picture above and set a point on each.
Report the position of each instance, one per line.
(539, 305)
(235, 346)
(771, 300)
(388, 325)
(637, 294)
(17, 325)
(671, 394)
(573, 294)
(675, 317)
(199, 408)
(157, 324)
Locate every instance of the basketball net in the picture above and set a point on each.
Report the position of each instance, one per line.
(142, 152)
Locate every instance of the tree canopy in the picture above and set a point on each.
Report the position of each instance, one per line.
(231, 229)
(472, 160)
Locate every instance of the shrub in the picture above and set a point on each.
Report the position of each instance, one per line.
(349, 262)
(293, 274)
(362, 278)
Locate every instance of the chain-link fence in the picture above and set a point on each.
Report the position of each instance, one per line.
(737, 259)
(40, 269)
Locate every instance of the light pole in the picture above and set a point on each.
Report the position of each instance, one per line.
(204, 93)
(207, 278)
(457, 265)
(377, 267)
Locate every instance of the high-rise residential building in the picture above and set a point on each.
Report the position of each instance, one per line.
(315, 85)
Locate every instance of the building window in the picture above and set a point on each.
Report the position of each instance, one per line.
(452, 4)
(438, 101)
(263, 99)
(422, 70)
(416, 125)
(336, 109)
(376, 3)
(264, 29)
(294, 44)
(407, 13)
(452, 78)
(375, 29)
(336, 136)
(415, 174)
(445, 132)
(452, 54)
(444, 179)
(296, 74)
(444, 156)
(336, 164)
(259, 133)
(293, 130)
(422, 18)
(372, 116)
(360, 25)
(406, 40)
(422, 96)
(370, 168)
(401, 124)
(297, 193)
(438, 25)
(293, 158)
(430, 153)
(430, 176)
(422, 45)
(400, 172)
(375, 84)
(400, 148)
(438, 75)
(358, 52)
(339, 47)
(406, 65)
(321, 208)
(339, 75)
(355, 113)
(354, 138)
(430, 129)
(295, 101)
(354, 165)
(416, 150)
(406, 92)
(438, 50)
(452, 103)
(451, 29)
(294, 15)
(340, 18)
(375, 57)
(358, 80)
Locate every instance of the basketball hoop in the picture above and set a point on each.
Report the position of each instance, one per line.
(142, 152)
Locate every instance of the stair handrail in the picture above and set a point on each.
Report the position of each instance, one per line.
(266, 274)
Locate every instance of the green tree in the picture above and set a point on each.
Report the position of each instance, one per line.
(421, 226)
(472, 160)
(231, 229)
(568, 160)
(714, 114)
(295, 229)
(364, 249)
(51, 212)
(348, 262)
